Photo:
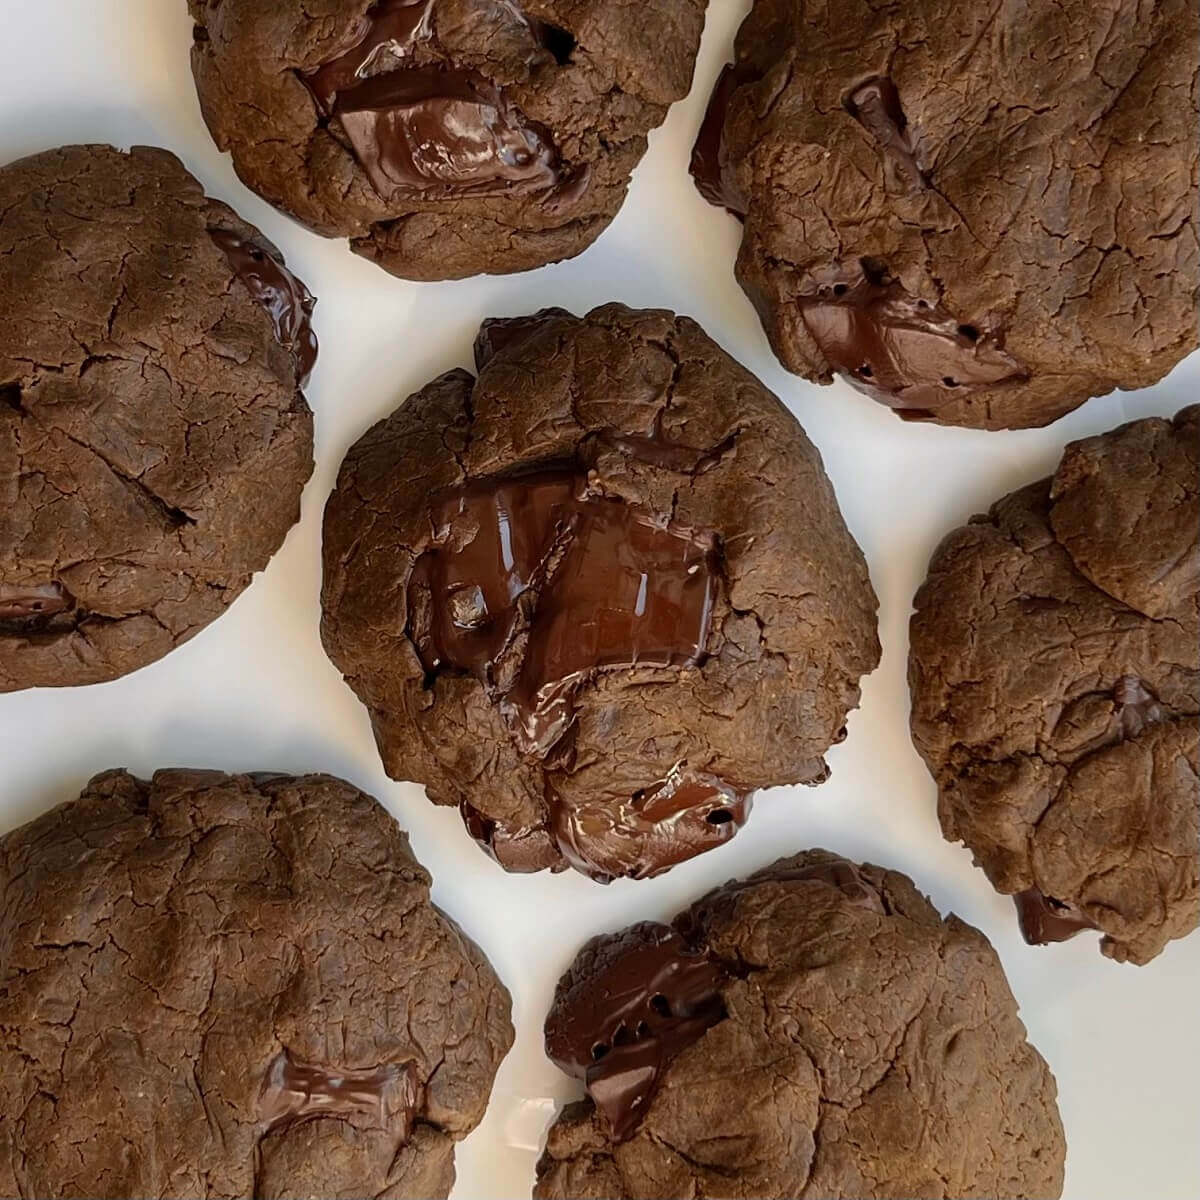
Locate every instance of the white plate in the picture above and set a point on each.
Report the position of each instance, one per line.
(255, 691)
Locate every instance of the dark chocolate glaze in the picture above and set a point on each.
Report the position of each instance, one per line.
(385, 1096)
(1135, 706)
(499, 333)
(534, 586)
(287, 301)
(647, 997)
(1044, 919)
(436, 129)
(23, 602)
(905, 352)
(641, 836)
(875, 105)
(709, 168)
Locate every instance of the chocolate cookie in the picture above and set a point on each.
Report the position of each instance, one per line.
(217, 985)
(978, 215)
(444, 138)
(153, 437)
(1055, 671)
(815, 1030)
(598, 595)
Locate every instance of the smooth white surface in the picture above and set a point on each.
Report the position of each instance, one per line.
(255, 691)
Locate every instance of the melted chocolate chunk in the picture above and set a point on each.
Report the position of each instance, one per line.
(875, 105)
(30, 602)
(534, 586)
(448, 130)
(379, 41)
(1044, 920)
(649, 997)
(520, 850)
(709, 168)
(641, 836)
(385, 1096)
(288, 302)
(1135, 706)
(436, 129)
(900, 350)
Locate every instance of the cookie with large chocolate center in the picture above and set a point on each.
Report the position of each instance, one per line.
(814, 1030)
(598, 595)
(444, 138)
(977, 215)
(1055, 671)
(217, 985)
(154, 440)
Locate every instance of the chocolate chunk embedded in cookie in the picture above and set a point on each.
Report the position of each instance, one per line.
(153, 437)
(1055, 671)
(219, 985)
(963, 211)
(444, 138)
(597, 595)
(815, 1030)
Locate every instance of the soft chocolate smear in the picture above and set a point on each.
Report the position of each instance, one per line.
(499, 333)
(644, 835)
(535, 585)
(1135, 706)
(905, 352)
(29, 602)
(649, 997)
(287, 301)
(385, 1096)
(875, 105)
(1044, 919)
(709, 167)
(437, 129)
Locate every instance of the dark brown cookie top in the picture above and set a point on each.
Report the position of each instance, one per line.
(598, 594)
(153, 437)
(963, 212)
(1055, 672)
(815, 1030)
(219, 985)
(444, 138)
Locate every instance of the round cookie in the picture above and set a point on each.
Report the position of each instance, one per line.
(815, 1030)
(597, 595)
(444, 138)
(978, 215)
(1055, 673)
(153, 437)
(216, 985)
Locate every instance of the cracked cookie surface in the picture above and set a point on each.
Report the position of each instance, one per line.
(597, 595)
(154, 440)
(444, 138)
(814, 1030)
(979, 215)
(223, 986)
(1055, 673)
